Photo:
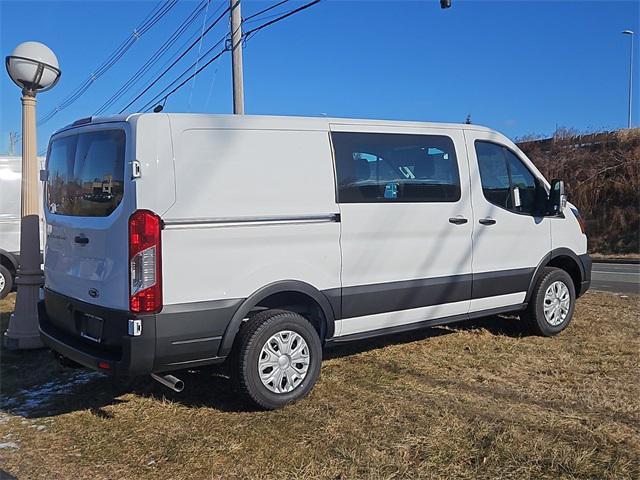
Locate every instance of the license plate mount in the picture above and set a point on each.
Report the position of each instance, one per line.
(91, 327)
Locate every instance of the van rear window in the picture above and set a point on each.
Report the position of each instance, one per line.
(86, 173)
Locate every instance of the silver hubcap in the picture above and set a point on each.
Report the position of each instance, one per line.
(2, 282)
(556, 303)
(283, 361)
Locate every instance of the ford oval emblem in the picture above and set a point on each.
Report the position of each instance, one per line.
(94, 293)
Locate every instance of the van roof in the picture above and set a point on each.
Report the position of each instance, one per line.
(275, 122)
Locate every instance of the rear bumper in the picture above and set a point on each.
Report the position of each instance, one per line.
(586, 262)
(179, 337)
(124, 355)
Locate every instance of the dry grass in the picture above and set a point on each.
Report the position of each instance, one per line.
(602, 173)
(476, 400)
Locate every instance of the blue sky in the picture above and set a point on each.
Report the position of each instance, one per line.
(519, 67)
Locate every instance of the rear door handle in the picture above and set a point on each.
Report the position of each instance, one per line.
(81, 240)
(458, 220)
(487, 221)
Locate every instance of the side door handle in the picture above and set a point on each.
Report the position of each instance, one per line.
(487, 221)
(458, 220)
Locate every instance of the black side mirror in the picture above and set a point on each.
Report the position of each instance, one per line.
(557, 197)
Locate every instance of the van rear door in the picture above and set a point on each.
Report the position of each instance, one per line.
(87, 201)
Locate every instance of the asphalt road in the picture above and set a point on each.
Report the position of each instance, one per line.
(616, 277)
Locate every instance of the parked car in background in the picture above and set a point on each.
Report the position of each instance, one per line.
(175, 241)
(10, 181)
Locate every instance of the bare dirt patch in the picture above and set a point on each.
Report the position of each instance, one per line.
(473, 400)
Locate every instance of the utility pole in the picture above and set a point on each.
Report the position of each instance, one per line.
(236, 57)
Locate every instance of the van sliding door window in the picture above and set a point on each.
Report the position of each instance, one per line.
(506, 181)
(86, 173)
(389, 167)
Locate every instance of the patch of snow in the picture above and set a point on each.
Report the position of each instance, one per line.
(8, 445)
(28, 401)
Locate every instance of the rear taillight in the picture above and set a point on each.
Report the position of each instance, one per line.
(145, 265)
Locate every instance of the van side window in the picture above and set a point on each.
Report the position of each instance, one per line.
(506, 181)
(389, 167)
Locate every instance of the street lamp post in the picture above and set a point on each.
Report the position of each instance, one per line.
(34, 68)
(630, 33)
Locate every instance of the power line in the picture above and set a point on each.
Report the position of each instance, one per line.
(179, 49)
(164, 95)
(152, 19)
(215, 57)
(193, 84)
(260, 19)
(180, 57)
(166, 46)
(255, 30)
(265, 10)
(157, 13)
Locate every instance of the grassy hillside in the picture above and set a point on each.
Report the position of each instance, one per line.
(602, 174)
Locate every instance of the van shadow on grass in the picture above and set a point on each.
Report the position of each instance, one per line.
(34, 386)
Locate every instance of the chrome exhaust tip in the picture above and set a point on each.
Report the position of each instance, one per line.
(169, 381)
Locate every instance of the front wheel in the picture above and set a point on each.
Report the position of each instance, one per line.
(277, 358)
(552, 303)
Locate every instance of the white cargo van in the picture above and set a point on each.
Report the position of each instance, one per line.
(10, 181)
(177, 240)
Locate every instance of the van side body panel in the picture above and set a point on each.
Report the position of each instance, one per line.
(229, 226)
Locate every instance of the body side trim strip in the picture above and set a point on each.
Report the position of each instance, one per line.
(500, 282)
(239, 221)
(425, 323)
(196, 340)
(361, 300)
(191, 362)
(368, 323)
(371, 299)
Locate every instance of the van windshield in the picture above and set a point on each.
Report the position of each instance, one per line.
(86, 173)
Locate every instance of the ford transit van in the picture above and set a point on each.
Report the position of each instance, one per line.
(176, 240)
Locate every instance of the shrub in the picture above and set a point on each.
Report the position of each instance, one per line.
(602, 175)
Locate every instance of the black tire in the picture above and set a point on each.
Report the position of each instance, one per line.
(252, 337)
(534, 316)
(5, 273)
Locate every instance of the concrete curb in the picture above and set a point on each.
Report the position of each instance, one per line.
(628, 261)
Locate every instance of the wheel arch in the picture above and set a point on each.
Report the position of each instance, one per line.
(564, 259)
(277, 295)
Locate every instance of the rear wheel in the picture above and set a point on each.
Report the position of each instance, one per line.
(277, 358)
(6, 281)
(552, 303)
